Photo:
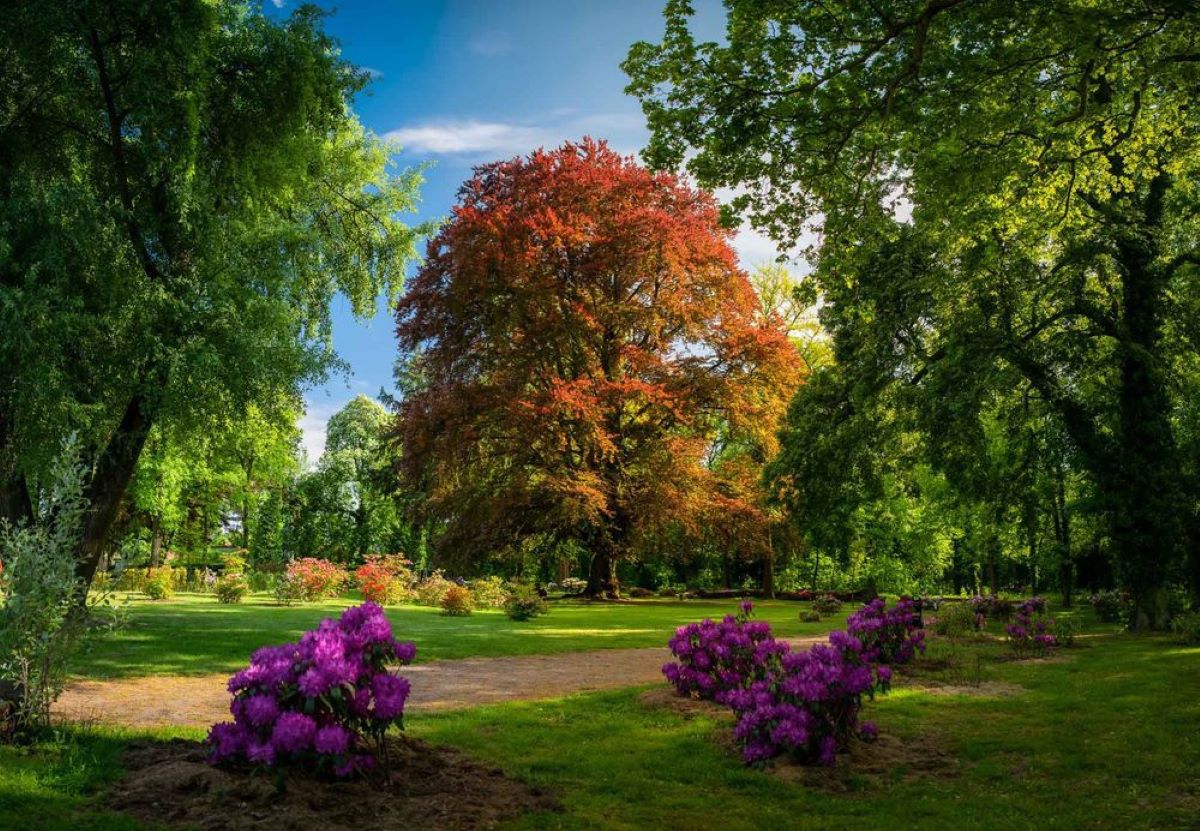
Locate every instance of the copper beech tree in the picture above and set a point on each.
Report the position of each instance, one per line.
(586, 346)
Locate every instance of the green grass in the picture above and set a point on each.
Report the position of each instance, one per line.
(1108, 739)
(196, 635)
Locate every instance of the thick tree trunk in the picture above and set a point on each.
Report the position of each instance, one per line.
(109, 481)
(1146, 482)
(602, 574)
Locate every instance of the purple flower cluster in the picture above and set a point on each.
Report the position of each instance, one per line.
(316, 701)
(888, 636)
(713, 659)
(804, 703)
(1030, 630)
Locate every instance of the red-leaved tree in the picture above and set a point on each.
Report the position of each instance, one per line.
(583, 340)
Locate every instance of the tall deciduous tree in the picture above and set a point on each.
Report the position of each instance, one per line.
(1048, 153)
(584, 335)
(183, 188)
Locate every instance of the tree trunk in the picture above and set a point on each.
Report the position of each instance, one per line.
(602, 574)
(768, 576)
(109, 481)
(1147, 498)
(15, 503)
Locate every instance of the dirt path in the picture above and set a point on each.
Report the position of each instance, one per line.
(179, 700)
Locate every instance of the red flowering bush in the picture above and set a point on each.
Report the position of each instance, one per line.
(311, 578)
(324, 703)
(385, 579)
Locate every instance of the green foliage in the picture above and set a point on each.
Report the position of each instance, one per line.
(159, 583)
(231, 588)
(524, 603)
(956, 620)
(40, 590)
(489, 592)
(431, 590)
(1187, 627)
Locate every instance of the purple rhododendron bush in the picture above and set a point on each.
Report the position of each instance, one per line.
(805, 703)
(323, 703)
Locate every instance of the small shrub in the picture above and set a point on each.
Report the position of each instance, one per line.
(261, 581)
(640, 593)
(1187, 627)
(131, 580)
(992, 607)
(488, 593)
(316, 579)
(385, 579)
(457, 601)
(179, 579)
(1111, 606)
(323, 704)
(827, 604)
(1031, 630)
(573, 585)
(523, 603)
(810, 616)
(432, 590)
(159, 583)
(231, 588)
(288, 590)
(1065, 630)
(957, 620)
(888, 636)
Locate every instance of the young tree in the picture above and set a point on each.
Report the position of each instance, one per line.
(183, 188)
(1048, 157)
(583, 334)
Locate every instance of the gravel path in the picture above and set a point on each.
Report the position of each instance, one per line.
(189, 700)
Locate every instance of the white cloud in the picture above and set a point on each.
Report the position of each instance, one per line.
(277, 3)
(313, 426)
(471, 138)
(476, 139)
(372, 72)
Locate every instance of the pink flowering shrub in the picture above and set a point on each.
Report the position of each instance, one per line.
(809, 705)
(311, 578)
(323, 703)
(1030, 629)
(888, 636)
(714, 658)
(803, 703)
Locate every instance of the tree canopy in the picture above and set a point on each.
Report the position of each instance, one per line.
(585, 340)
(183, 189)
(1005, 197)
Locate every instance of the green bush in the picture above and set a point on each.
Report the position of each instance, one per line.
(525, 604)
(1187, 627)
(956, 620)
(488, 592)
(288, 590)
(1065, 630)
(231, 588)
(810, 616)
(160, 583)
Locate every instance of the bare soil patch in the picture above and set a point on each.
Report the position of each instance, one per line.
(431, 787)
(983, 689)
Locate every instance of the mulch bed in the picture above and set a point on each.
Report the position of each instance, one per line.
(431, 787)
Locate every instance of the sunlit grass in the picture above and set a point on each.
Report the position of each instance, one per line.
(194, 634)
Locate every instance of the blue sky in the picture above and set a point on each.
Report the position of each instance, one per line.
(468, 81)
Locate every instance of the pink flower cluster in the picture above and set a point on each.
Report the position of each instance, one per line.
(1030, 630)
(805, 703)
(888, 636)
(314, 703)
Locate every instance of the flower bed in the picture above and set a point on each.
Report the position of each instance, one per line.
(713, 659)
(323, 703)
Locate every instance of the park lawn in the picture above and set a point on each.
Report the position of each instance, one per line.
(193, 634)
(1108, 738)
